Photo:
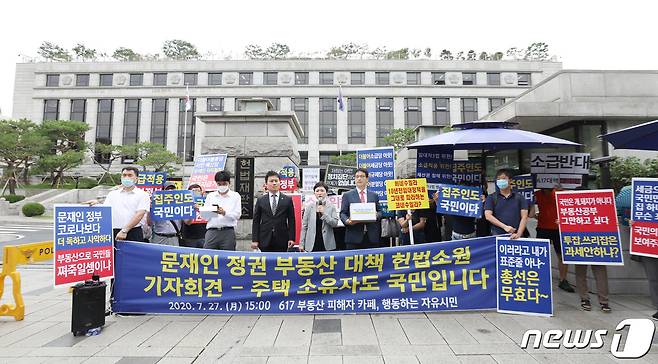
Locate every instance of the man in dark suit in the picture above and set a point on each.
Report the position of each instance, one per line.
(273, 228)
(360, 235)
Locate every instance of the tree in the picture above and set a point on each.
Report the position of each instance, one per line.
(497, 56)
(277, 51)
(399, 138)
(53, 52)
(155, 156)
(106, 154)
(348, 159)
(402, 53)
(415, 52)
(378, 53)
(514, 53)
(446, 55)
(537, 51)
(337, 53)
(20, 145)
(484, 56)
(65, 147)
(84, 53)
(254, 51)
(126, 54)
(179, 50)
(428, 52)
(460, 56)
(470, 56)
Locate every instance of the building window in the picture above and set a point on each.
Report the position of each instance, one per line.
(301, 78)
(215, 104)
(186, 135)
(325, 157)
(493, 79)
(438, 78)
(495, 103)
(131, 121)
(412, 112)
(358, 78)
(523, 79)
(246, 78)
(441, 111)
(105, 79)
(276, 103)
(78, 109)
(136, 79)
(300, 107)
(104, 126)
(356, 118)
(82, 79)
(303, 157)
(384, 119)
(468, 79)
(52, 80)
(190, 79)
(326, 78)
(270, 78)
(214, 79)
(159, 79)
(159, 121)
(50, 109)
(328, 120)
(469, 110)
(413, 78)
(381, 78)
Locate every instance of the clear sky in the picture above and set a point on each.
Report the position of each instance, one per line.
(584, 34)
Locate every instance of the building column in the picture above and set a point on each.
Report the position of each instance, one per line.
(145, 120)
(426, 111)
(455, 110)
(64, 109)
(91, 116)
(483, 106)
(229, 104)
(371, 121)
(398, 113)
(313, 130)
(118, 113)
(199, 127)
(172, 125)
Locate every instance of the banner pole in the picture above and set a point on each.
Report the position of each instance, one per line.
(411, 229)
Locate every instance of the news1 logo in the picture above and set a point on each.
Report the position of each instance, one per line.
(638, 340)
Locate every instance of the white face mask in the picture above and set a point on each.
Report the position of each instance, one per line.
(222, 189)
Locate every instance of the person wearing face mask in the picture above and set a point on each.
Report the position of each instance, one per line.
(507, 211)
(220, 229)
(318, 223)
(194, 233)
(129, 204)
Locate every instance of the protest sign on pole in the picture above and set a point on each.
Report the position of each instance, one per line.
(172, 205)
(588, 227)
(644, 217)
(151, 181)
(407, 194)
(205, 167)
(467, 172)
(459, 200)
(524, 276)
(340, 176)
(524, 185)
(559, 163)
(380, 163)
(310, 176)
(435, 165)
(83, 241)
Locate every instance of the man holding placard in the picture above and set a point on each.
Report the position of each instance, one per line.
(361, 213)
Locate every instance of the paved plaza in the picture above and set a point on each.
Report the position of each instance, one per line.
(473, 337)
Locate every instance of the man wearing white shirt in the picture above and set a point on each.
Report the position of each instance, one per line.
(129, 205)
(220, 233)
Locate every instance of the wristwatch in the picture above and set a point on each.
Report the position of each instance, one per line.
(124, 231)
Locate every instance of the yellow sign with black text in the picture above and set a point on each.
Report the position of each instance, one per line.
(407, 194)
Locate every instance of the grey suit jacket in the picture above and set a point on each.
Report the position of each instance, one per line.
(309, 222)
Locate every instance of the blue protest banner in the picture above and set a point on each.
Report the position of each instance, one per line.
(524, 276)
(449, 276)
(459, 200)
(435, 165)
(172, 205)
(205, 167)
(83, 243)
(644, 214)
(380, 163)
(467, 172)
(525, 185)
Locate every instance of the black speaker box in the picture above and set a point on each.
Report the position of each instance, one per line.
(88, 307)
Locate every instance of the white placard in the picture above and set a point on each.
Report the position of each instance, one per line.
(363, 211)
(566, 181)
(310, 176)
(563, 163)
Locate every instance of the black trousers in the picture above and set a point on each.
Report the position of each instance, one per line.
(365, 244)
(135, 234)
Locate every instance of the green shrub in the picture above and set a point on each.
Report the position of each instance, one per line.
(14, 198)
(86, 183)
(33, 209)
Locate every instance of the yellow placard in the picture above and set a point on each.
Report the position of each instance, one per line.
(407, 194)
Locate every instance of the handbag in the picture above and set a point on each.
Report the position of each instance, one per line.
(390, 228)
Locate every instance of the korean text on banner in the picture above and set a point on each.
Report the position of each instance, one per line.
(407, 194)
(467, 172)
(151, 181)
(340, 176)
(449, 276)
(524, 276)
(459, 200)
(380, 163)
(83, 243)
(566, 181)
(205, 167)
(524, 184)
(172, 205)
(435, 165)
(310, 176)
(644, 215)
(588, 227)
(557, 163)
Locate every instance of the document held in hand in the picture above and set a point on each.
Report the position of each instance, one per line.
(363, 211)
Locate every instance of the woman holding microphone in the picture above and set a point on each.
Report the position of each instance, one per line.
(318, 223)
